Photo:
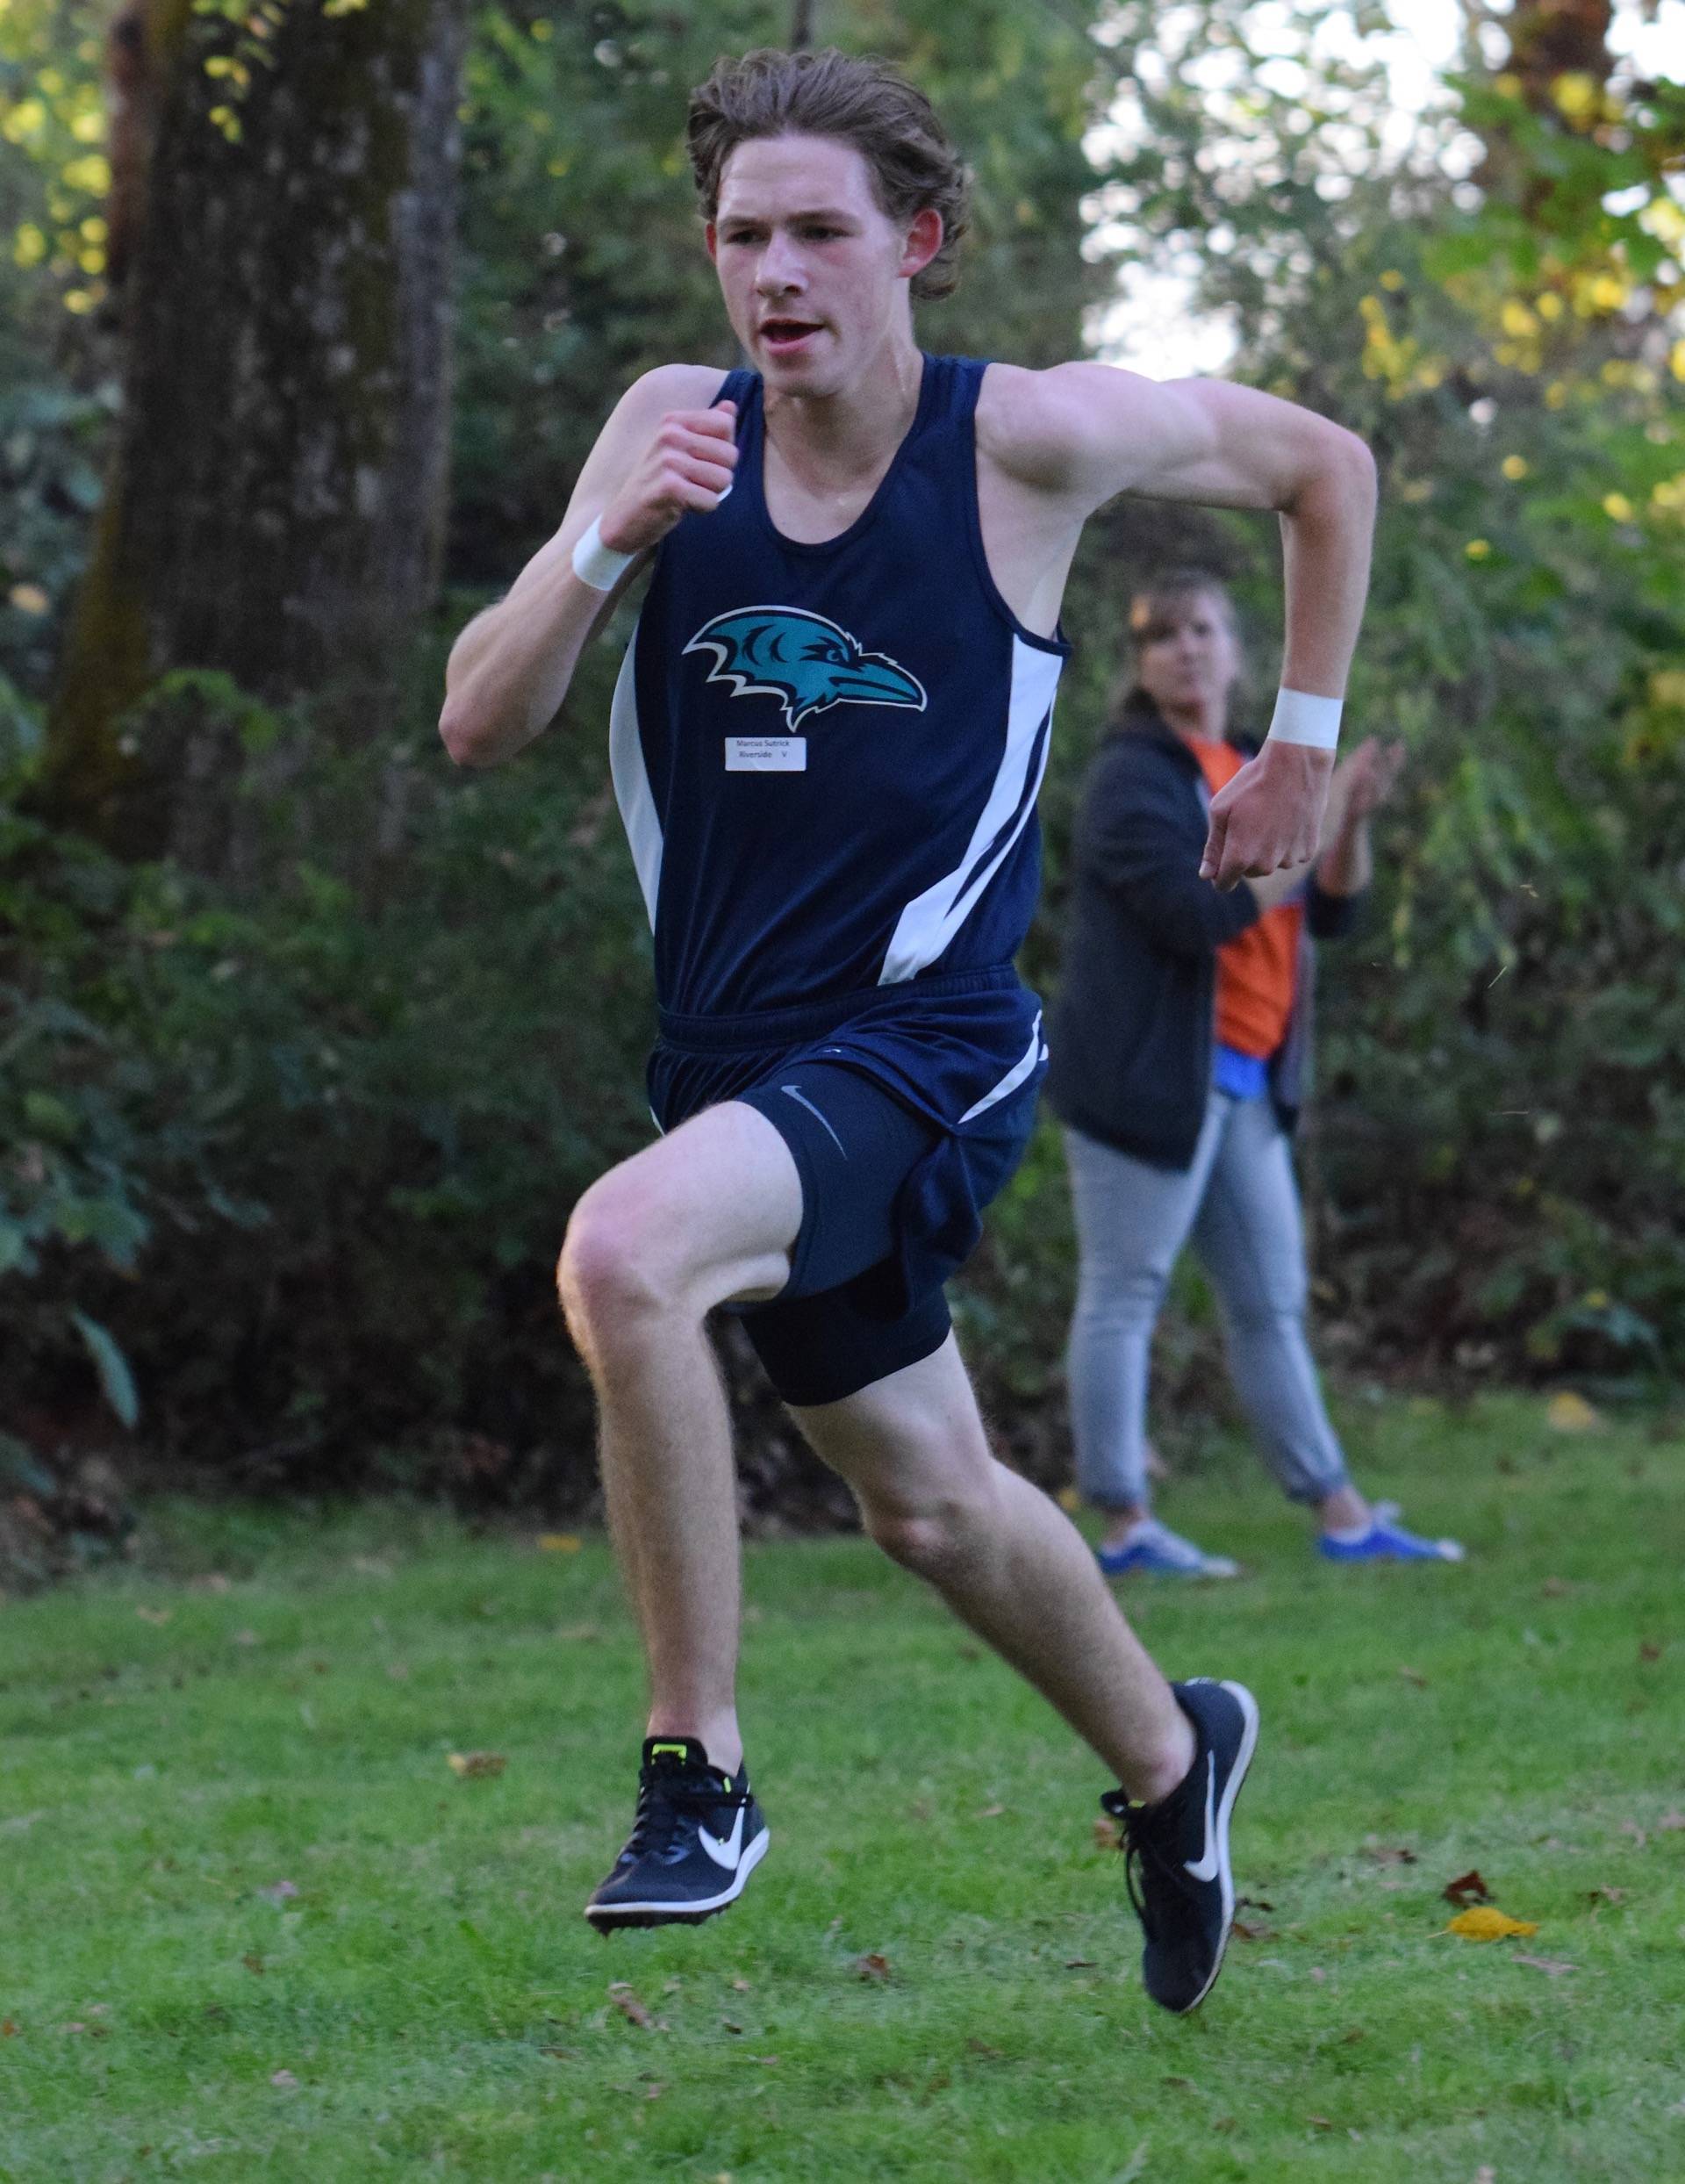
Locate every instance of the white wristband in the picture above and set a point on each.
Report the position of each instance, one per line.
(596, 565)
(1301, 718)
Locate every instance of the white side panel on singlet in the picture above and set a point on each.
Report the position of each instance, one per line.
(631, 790)
(929, 924)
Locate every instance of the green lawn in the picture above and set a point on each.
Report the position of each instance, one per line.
(252, 1925)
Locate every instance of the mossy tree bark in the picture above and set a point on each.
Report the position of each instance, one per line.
(276, 507)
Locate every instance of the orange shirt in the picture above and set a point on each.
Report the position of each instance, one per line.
(1256, 970)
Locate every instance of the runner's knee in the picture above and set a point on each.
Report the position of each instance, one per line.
(620, 1265)
(931, 1529)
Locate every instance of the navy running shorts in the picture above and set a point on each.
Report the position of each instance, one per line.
(906, 1110)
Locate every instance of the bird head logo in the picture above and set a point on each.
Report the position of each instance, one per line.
(808, 664)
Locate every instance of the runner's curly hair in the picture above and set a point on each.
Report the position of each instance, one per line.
(863, 102)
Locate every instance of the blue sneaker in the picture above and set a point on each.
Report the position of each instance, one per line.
(1153, 1549)
(1387, 1541)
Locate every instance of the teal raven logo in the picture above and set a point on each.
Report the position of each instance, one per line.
(805, 662)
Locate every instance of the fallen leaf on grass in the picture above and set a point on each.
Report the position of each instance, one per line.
(872, 1966)
(1242, 1932)
(630, 2007)
(991, 1812)
(1552, 1967)
(157, 1616)
(284, 2079)
(1486, 1923)
(1649, 1649)
(1570, 1413)
(1486, 2174)
(1107, 1834)
(975, 2046)
(1670, 1823)
(1555, 1588)
(1416, 1677)
(470, 1766)
(252, 1961)
(740, 1987)
(1080, 1964)
(1319, 2123)
(1605, 1895)
(8, 2028)
(728, 2023)
(655, 2093)
(1466, 1889)
(245, 1637)
(279, 1890)
(213, 1581)
(559, 1542)
(1381, 1853)
(1631, 1827)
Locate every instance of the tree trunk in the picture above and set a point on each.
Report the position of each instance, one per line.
(276, 507)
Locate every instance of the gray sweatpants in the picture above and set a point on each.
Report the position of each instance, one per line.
(1239, 1206)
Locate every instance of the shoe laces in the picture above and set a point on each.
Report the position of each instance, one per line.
(1145, 1859)
(669, 1797)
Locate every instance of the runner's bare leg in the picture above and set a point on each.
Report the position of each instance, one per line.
(1006, 1560)
(710, 1213)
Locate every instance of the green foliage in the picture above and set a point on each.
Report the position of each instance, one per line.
(287, 1155)
(290, 1160)
(1503, 1062)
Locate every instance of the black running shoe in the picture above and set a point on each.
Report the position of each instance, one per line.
(1178, 1869)
(698, 1836)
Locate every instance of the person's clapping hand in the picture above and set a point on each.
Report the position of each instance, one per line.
(1363, 780)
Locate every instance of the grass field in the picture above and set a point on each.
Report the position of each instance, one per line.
(254, 1926)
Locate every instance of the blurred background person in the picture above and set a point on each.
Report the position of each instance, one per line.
(1179, 1061)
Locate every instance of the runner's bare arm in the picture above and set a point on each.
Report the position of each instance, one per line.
(1083, 433)
(660, 452)
(1086, 432)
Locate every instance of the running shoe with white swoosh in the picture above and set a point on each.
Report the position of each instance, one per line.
(1179, 1877)
(697, 1837)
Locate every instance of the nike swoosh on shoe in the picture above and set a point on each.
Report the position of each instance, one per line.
(1205, 1867)
(724, 1854)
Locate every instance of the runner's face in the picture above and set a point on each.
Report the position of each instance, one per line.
(812, 269)
(1189, 656)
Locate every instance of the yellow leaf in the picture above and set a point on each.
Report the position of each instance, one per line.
(1514, 466)
(559, 1542)
(29, 599)
(1483, 1923)
(1571, 1413)
(1617, 508)
(1070, 1500)
(1479, 550)
(467, 1766)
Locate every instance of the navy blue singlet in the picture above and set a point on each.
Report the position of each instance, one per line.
(827, 757)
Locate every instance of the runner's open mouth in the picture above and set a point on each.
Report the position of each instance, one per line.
(785, 330)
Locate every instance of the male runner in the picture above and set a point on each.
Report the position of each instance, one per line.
(827, 742)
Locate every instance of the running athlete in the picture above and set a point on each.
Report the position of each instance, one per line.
(827, 742)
